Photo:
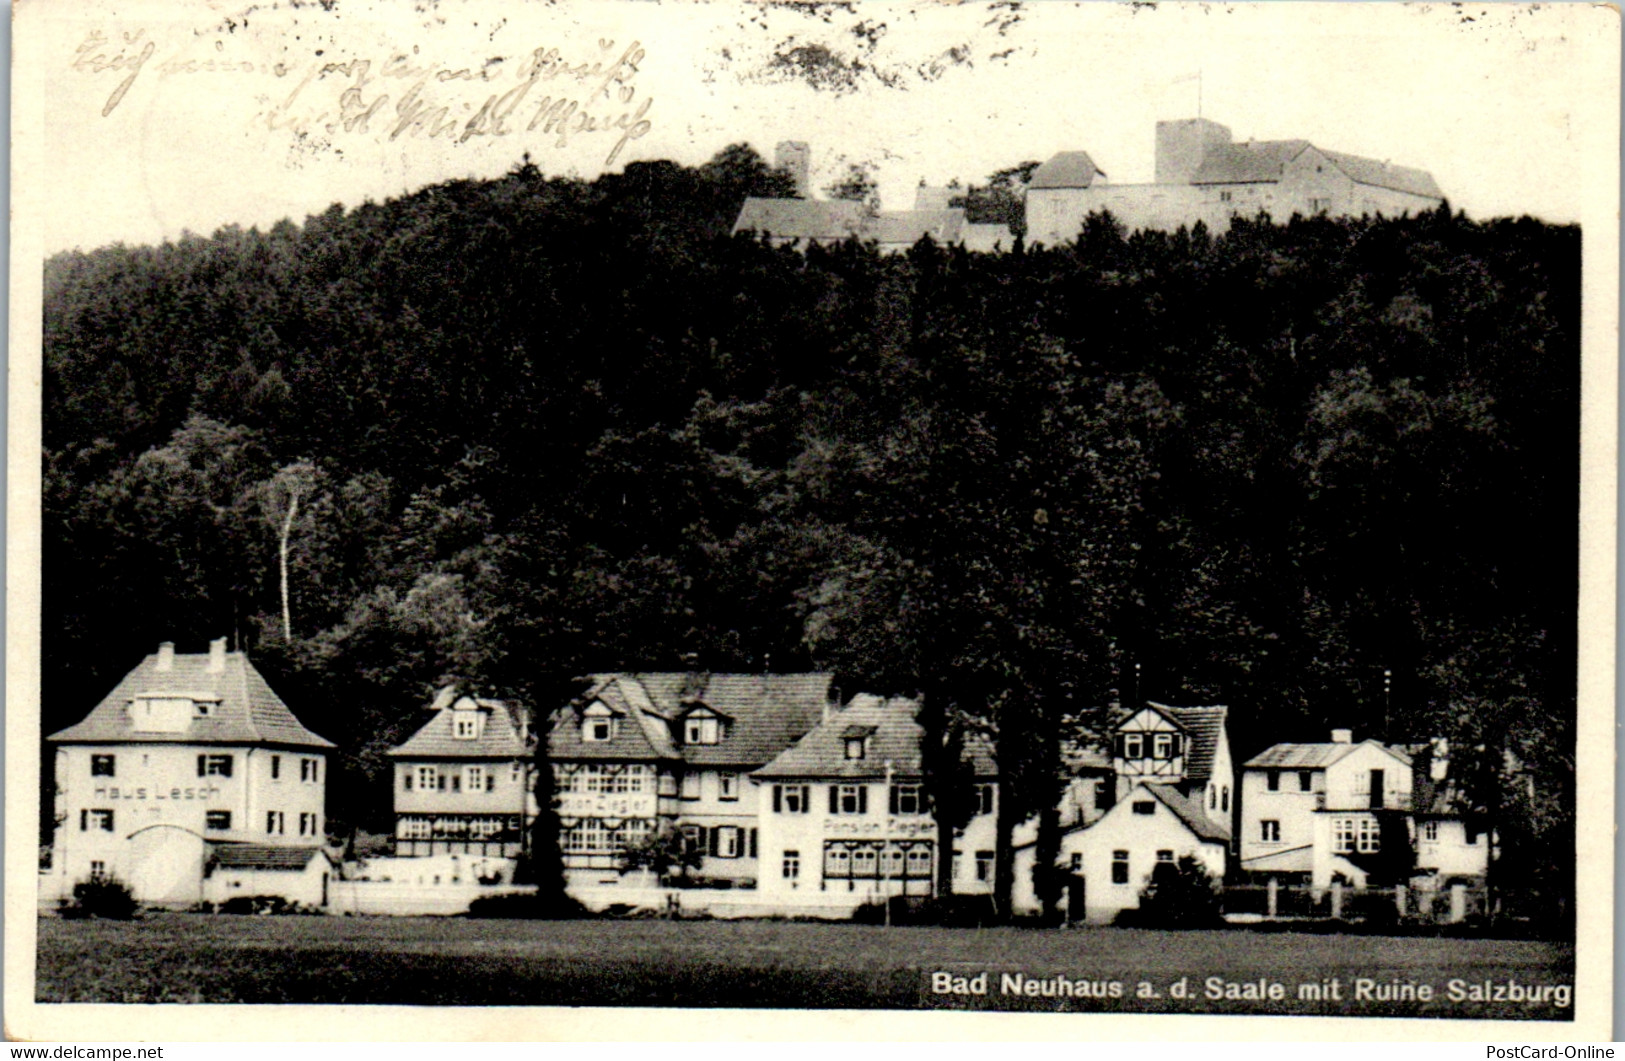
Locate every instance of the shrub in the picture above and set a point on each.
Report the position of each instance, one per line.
(948, 911)
(527, 906)
(265, 906)
(102, 895)
(1180, 895)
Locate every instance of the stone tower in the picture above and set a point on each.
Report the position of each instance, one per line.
(794, 157)
(1182, 144)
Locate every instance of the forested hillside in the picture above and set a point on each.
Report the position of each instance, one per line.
(519, 430)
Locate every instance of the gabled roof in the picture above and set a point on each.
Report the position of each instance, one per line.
(1203, 726)
(1253, 162)
(894, 737)
(1314, 756)
(1187, 810)
(499, 738)
(765, 714)
(1069, 169)
(908, 227)
(1383, 175)
(807, 219)
(263, 856)
(244, 708)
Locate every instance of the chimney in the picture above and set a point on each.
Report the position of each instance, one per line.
(1342, 736)
(794, 157)
(217, 655)
(166, 655)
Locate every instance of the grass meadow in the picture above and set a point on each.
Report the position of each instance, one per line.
(452, 961)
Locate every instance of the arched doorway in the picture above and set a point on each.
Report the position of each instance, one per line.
(165, 865)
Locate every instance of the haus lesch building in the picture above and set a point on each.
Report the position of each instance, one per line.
(191, 776)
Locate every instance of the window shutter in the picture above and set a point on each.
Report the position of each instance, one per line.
(225, 766)
(1179, 745)
(440, 782)
(753, 843)
(713, 837)
(892, 800)
(863, 799)
(835, 799)
(84, 822)
(201, 765)
(490, 782)
(778, 798)
(407, 777)
(456, 782)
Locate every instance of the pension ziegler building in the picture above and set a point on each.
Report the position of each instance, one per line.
(190, 754)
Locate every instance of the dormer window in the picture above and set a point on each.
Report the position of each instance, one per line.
(857, 741)
(203, 708)
(597, 724)
(466, 725)
(1162, 746)
(702, 729)
(1132, 746)
(855, 747)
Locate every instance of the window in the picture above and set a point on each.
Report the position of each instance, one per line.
(907, 799)
(202, 708)
(1471, 836)
(958, 866)
(1224, 799)
(217, 820)
(837, 861)
(90, 820)
(414, 829)
(428, 778)
(466, 725)
(984, 865)
(1212, 797)
(101, 766)
(1319, 206)
(1430, 830)
(854, 747)
(1162, 746)
(307, 824)
(276, 768)
(702, 729)
(849, 799)
(864, 861)
(274, 822)
(475, 779)
(1376, 788)
(1145, 806)
(1367, 836)
(790, 868)
(790, 799)
(984, 799)
(1269, 831)
(516, 772)
(597, 724)
(1306, 780)
(1224, 197)
(1119, 867)
(1343, 835)
(728, 786)
(1131, 745)
(1272, 780)
(1165, 855)
(98, 868)
(690, 788)
(919, 862)
(725, 841)
(310, 770)
(1076, 863)
(1356, 834)
(214, 766)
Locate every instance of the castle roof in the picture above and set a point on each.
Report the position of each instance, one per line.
(826, 220)
(242, 708)
(1068, 169)
(1252, 162)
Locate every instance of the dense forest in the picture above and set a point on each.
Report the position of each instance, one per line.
(514, 431)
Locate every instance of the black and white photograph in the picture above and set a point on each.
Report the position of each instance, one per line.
(1042, 515)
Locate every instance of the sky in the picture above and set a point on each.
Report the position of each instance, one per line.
(170, 117)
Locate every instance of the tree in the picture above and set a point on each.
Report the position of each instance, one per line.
(857, 185)
(663, 852)
(1001, 201)
(279, 500)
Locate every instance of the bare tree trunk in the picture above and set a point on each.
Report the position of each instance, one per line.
(282, 555)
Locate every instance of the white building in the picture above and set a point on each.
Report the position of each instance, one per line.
(643, 754)
(1168, 794)
(845, 812)
(1318, 812)
(1203, 175)
(187, 756)
(463, 782)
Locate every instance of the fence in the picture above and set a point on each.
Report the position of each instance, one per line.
(1274, 901)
